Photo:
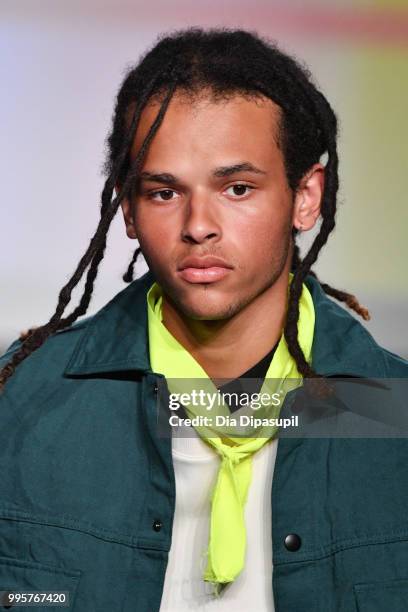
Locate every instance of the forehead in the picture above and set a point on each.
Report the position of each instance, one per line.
(203, 126)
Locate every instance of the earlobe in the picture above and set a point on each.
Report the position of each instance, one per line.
(130, 230)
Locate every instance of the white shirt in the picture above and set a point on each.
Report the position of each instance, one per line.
(196, 467)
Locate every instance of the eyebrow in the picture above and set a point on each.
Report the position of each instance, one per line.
(241, 167)
(220, 172)
(159, 177)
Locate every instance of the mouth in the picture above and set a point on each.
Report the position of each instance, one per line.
(203, 269)
(204, 275)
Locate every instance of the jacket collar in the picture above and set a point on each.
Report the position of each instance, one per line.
(116, 337)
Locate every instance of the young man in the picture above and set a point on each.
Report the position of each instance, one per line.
(214, 158)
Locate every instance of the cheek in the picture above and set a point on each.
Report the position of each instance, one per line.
(265, 237)
(157, 242)
(154, 236)
(154, 243)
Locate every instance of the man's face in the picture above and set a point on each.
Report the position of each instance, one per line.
(213, 184)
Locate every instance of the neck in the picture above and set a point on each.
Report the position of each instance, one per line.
(218, 346)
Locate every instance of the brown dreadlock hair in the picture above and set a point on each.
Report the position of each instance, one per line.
(226, 62)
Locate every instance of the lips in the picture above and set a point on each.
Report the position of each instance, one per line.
(203, 269)
(204, 262)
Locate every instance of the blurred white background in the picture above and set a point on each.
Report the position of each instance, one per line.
(62, 64)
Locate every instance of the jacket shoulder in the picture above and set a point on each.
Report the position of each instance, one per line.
(342, 342)
(47, 363)
(72, 330)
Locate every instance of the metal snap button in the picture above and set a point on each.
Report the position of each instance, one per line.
(293, 542)
(157, 525)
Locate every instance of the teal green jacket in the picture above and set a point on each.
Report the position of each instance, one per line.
(87, 487)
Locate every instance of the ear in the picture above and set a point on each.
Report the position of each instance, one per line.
(127, 214)
(308, 198)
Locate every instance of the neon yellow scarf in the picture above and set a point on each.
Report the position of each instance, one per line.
(227, 541)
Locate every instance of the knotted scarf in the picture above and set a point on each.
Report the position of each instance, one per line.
(227, 540)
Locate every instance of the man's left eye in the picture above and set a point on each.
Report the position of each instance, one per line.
(238, 190)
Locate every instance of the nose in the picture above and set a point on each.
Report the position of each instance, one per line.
(200, 223)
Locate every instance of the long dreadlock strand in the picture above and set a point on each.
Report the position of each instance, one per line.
(342, 296)
(128, 276)
(106, 198)
(328, 125)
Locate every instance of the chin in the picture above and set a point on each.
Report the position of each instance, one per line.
(202, 311)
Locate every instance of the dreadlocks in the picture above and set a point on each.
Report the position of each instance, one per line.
(225, 62)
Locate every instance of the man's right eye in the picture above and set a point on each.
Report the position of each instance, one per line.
(162, 195)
